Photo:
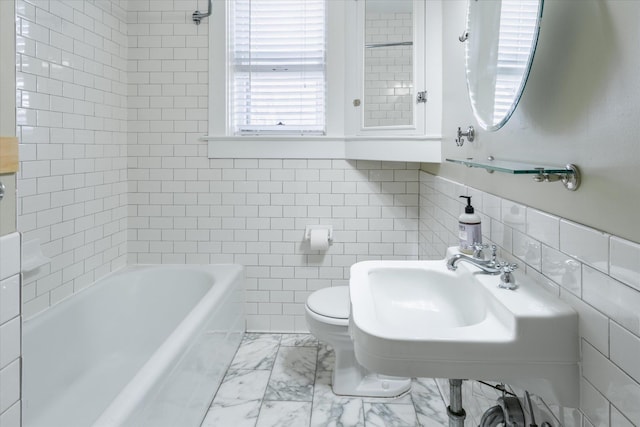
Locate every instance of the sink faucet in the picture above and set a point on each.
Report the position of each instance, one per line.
(488, 266)
(491, 266)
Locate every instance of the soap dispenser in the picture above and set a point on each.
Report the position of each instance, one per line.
(469, 228)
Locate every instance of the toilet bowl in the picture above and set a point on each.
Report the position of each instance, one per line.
(327, 315)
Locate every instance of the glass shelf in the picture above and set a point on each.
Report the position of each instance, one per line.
(569, 175)
(515, 168)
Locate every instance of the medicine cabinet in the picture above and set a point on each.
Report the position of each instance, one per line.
(393, 79)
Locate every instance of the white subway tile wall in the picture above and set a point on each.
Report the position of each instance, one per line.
(10, 322)
(572, 261)
(72, 123)
(254, 212)
(186, 208)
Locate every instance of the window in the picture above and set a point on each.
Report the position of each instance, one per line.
(285, 82)
(277, 78)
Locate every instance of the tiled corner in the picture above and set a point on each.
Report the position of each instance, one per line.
(10, 329)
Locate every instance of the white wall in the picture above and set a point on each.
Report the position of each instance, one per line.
(72, 123)
(580, 106)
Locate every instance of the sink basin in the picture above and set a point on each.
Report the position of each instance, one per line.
(424, 296)
(418, 319)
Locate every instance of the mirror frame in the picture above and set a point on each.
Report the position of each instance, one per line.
(525, 75)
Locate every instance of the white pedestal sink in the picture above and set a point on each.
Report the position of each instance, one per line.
(418, 319)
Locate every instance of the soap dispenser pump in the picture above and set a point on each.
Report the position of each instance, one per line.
(469, 228)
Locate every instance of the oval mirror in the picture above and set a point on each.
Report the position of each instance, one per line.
(501, 39)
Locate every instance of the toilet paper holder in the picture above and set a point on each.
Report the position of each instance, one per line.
(309, 228)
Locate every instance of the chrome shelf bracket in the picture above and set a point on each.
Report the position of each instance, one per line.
(570, 180)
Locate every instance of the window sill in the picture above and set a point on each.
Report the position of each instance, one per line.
(425, 149)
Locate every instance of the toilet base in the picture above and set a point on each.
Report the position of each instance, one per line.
(349, 377)
(352, 379)
(373, 385)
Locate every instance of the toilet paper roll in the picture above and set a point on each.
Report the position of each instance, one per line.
(319, 240)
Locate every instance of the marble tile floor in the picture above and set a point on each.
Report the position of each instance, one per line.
(284, 380)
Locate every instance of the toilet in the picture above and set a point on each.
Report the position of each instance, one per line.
(327, 315)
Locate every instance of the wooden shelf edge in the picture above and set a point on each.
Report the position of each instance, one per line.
(8, 154)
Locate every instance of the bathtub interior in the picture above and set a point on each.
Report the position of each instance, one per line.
(79, 356)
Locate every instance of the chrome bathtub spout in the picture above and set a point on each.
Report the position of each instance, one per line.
(488, 267)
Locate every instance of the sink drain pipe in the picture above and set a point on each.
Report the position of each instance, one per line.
(507, 412)
(455, 410)
(493, 417)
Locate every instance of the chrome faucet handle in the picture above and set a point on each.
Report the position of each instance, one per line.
(477, 250)
(507, 280)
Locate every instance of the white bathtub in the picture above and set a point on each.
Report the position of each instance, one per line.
(146, 346)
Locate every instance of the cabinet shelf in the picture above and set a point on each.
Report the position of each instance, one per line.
(569, 175)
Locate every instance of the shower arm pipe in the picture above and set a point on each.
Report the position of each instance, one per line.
(197, 15)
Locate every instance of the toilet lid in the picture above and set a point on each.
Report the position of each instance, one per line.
(330, 302)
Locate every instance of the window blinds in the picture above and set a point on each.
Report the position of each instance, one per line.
(518, 20)
(277, 59)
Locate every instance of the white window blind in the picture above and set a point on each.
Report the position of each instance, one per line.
(518, 21)
(277, 58)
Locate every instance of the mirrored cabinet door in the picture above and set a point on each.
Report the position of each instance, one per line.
(388, 68)
(388, 63)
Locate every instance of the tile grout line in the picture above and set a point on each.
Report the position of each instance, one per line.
(269, 380)
(315, 378)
